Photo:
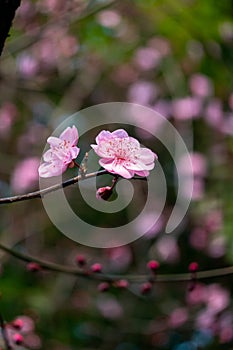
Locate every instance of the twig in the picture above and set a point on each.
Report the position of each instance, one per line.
(42, 193)
(45, 191)
(180, 277)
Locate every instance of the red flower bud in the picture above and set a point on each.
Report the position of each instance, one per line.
(153, 265)
(146, 287)
(17, 338)
(96, 267)
(103, 287)
(17, 323)
(121, 284)
(104, 193)
(33, 266)
(80, 260)
(193, 266)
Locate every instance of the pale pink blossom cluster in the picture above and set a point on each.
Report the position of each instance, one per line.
(63, 150)
(120, 154)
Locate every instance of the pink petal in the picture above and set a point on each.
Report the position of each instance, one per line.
(121, 133)
(51, 169)
(142, 173)
(139, 166)
(103, 136)
(54, 141)
(74, 151)
(147, 156)
(116, 168)
(70, 134)
(48, 156)
(104, 150)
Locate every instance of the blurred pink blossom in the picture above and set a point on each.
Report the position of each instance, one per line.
(147, 58)
(205, 319)
(231, 101)
(199, 238)
(161, 44)
(27, 65)
(227, 126)
(214, 113)
(119, 258)
(201, 85)
(109, 18)
(25, 175)
(217, 298)
(121, 154)
(178, 317)
(198, 295)
(62, 151)
(109, 307)
(217, 247)
(142, 92)
(8, 113)
(186, 108)
(198, 161)
(168, 249)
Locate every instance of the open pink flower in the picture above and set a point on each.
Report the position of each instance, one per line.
(62, 151)
(121, 154)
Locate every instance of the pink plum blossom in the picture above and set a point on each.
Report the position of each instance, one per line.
(121, 154)
(62, 151)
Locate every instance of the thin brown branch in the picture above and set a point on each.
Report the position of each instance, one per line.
(180, 277)
(44, 192)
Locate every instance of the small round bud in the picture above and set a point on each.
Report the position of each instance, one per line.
(103, 287)
(193, 266)
(80, 260)
(121, 284)
(153, 265)
(17, 323)
(33, 267)
(104, 193)
(71, 165)
(146, 287)
(96, 267)
(17, 338)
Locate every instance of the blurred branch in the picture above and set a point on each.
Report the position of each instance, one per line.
(7, 14)
(65, 17)
(180, 277)
(4, 335)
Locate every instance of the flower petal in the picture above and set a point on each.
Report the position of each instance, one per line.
(51, 169)
(147, 156)
(54, 141)
(70, 134)
(116, 168)
(121, 133)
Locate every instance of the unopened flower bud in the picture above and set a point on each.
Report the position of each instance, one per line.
(146, 287)
(104, 193)
(80, 260)
(122, 284)
(103, 287)
(17, 323)
(96, 267)
(193, 266)
(153, 265)
(17, 338)
(33, 267)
